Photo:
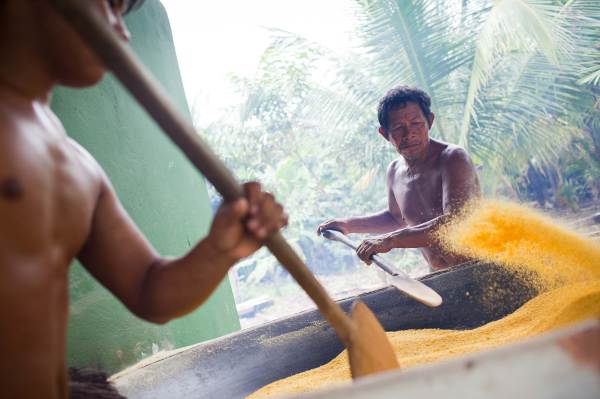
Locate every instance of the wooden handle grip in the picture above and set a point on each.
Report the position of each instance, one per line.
(379, 261)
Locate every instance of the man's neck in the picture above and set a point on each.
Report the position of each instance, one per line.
(24, 70)
(27, 80)
(414, 163)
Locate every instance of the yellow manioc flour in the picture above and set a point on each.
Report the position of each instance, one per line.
(566, 264)
(523, 239)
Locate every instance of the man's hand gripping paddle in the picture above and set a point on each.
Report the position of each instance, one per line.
(399, 280)
(368, 347)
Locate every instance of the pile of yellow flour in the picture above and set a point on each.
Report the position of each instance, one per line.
(566, 267)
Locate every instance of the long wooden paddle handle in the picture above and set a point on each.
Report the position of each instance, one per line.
(133, 75)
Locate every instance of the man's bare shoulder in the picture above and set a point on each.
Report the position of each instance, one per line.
(86, 157)
(92, 166)
(396, 166)
(458, 171)
(453, 155)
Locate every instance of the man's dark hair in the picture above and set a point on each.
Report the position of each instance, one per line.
(398, 97)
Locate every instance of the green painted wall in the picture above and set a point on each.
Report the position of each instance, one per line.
(161, 191)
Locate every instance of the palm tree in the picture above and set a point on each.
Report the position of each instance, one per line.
(511, 80)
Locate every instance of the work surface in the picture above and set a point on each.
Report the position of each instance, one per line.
(559, 364)
(236, 365)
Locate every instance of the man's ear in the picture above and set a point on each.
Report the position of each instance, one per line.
(430, 119)
(383, 133)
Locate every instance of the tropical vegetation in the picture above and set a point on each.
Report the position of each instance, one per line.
(516, 82)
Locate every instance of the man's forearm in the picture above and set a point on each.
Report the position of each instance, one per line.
(419, 236)
(382, 222)
(175, 287)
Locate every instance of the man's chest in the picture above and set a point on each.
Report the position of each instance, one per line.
(51, 196)
(418, 196)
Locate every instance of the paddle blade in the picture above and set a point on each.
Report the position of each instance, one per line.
(370, 350)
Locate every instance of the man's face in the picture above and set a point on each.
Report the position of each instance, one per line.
(73, 62)
(408, 131)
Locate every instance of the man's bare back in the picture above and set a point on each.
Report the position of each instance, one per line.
(56, 204)
(429, 183)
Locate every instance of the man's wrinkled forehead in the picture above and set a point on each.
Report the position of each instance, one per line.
(406, 111)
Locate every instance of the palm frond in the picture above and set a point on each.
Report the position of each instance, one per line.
(513, 26)
(527, 112)
(420, 43)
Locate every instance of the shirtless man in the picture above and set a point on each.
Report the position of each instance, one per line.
(429, 183)
(56, 204)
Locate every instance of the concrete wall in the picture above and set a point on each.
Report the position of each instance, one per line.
(165, 196)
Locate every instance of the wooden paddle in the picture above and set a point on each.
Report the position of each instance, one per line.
(368, 347)
(399, 280)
